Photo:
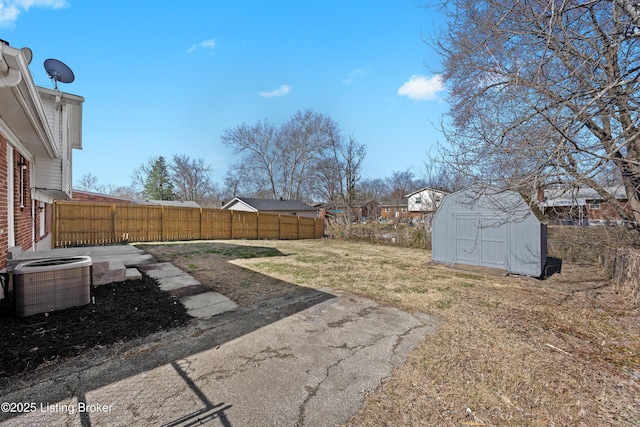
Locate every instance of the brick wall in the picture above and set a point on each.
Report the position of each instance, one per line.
(606, 211)
(4, 210)
(23, 222)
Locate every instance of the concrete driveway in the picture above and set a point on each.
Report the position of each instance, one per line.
(308, 359)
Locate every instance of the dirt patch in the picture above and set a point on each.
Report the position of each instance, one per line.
(122, 311)
(211, 263)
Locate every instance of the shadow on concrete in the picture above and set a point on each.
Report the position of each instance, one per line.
(208, 413)
(78, 376)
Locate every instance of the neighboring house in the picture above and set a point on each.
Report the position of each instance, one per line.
(283, 207)
(338, 213)
(581, 205)
(38, 129)
(392, 210)
(424, 200)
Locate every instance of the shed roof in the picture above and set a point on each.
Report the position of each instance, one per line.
(509, 202)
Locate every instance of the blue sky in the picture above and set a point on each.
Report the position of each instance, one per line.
(169, 78)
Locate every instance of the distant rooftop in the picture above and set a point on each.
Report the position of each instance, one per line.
(272, 204)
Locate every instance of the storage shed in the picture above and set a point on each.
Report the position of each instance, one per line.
(489, 228)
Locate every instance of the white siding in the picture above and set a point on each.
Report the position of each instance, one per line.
(64, 116)
(49, 103)
(48, 173)
(241, 207)
(425, 201)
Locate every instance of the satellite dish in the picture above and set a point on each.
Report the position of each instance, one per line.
(28, 54)
(58, 72)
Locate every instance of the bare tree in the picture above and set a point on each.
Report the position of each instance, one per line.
(374, 189)
(304, 141)
(89, 182)
(401, 183)
(436, 176)
(258, 146)
(339, 174)
(122, 191)
(280, 160)
(191, 178)
(544, 92)
(139, 175)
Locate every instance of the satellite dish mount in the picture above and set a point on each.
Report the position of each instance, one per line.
(58, 71)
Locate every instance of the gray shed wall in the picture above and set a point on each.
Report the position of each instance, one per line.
(489, 230)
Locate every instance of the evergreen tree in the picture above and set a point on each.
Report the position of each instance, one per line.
(157, 185)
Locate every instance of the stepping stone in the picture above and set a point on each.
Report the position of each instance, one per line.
(175, 282)
(108, 272)
(162, 270)
(133, 274)
(187, 291)
(208, 304)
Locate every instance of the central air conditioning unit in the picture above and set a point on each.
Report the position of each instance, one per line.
(51, 284)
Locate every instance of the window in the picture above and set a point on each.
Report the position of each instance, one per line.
(418, 200)
(404, 210)
(387, 209)
(595, 205)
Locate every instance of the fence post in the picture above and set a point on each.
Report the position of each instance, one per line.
(115, 219)
(54, 225)
(162, 227)
(232, 224)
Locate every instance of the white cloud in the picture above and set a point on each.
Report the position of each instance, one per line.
(206, 44)
(421, 88)
(10, 9)
(282, 91)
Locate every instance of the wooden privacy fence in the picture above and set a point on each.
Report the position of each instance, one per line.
(83, 224)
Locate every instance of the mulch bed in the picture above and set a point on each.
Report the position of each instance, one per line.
(122, 311)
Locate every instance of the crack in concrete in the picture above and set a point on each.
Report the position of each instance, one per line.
(363, 312)
(312, 391)
(268, 353)
(400, 338)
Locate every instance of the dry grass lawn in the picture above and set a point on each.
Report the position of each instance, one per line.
(509, 350)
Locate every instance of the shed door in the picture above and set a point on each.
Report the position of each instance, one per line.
(466, 234)
(481, 240)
